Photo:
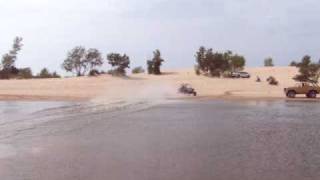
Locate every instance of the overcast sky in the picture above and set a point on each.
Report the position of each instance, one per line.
(283, 29)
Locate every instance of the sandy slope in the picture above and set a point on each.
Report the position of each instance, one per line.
(142, 86)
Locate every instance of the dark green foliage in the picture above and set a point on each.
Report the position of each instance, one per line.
(55, 75)
(44, 74)
(197, 70)
(25, 73)
(154, 65)
(80, 60)
(7, 68)
(308, 70)
(119, 62)
(94, 72)
(9, 59)
(237, 62)
(268, 62)
(138, 70)
(150, 67)
(272, 81)
(293, 63)
(216, 63)
(14, 73)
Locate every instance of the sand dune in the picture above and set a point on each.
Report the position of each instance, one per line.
(148, 87)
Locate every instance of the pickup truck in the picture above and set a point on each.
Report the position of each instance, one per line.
(309, 89)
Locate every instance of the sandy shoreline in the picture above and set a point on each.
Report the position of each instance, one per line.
(142, 86)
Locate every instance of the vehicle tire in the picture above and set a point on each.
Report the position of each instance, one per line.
(194, 93)
(291, 94)
(312, 94)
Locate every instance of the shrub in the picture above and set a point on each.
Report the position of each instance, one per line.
(197, 70)
(25, 73)
(114, 72)
(138, 70)
(94, 72)
(272, 81)
(44, 74)
(55, 75)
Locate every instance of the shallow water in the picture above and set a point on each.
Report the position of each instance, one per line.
(18, 109)
(183, 140)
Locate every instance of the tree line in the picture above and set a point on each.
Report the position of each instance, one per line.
(81, 61)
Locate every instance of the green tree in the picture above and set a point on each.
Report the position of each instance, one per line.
(44, 73)
(237, 62)
(293, 63)
(217, 63)
(202, 60)
(268, 62)
(119, 62)
(80, 61)
(155, 64)
(150, 66)
(308, 71)
(55, 75)
(9, 59)
(25, 73)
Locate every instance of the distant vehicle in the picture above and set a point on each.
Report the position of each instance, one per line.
(235, 75)
(240, 75)
(309, 89)
(244, 75)
(187, 89)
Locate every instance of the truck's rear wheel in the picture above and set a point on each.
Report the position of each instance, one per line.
(291, 94)
(312, 94)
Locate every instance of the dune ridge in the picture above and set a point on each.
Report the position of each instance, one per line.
(150, 88)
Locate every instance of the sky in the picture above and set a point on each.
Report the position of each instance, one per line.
(283, 29)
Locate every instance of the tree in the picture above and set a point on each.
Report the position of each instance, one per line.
(119, 62)
(55, 75)
(154, 65)
(9, 59)
(293, 63)
(268, 62)
(217, 63)
(308, 71)
(44, 73)
(25, 73)
(157, 62)
(237, 62)
(150, 67)
(80, 61)
(94, 58)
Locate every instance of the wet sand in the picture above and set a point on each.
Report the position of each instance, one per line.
(218, 140)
